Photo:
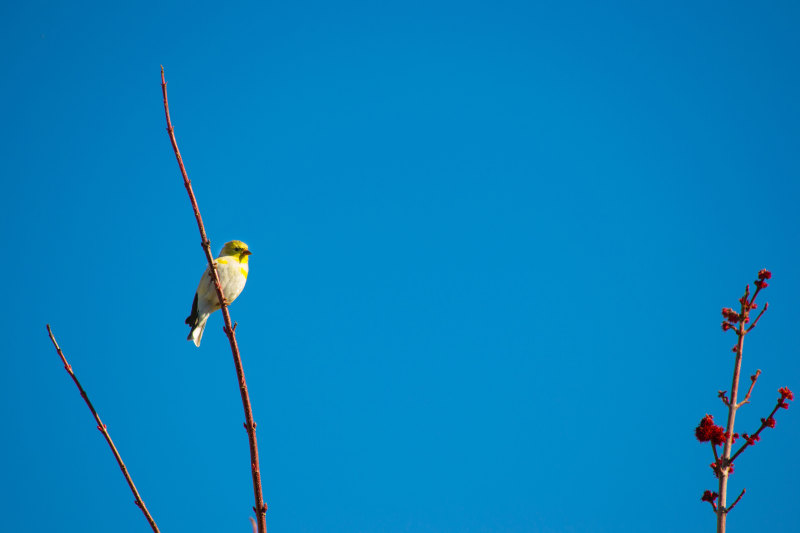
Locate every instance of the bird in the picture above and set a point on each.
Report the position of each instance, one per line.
(232, 267)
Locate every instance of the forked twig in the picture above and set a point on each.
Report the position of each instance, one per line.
(104, 431)
(250, 425)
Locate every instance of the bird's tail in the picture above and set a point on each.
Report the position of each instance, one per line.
(198, 323)
(196, 334)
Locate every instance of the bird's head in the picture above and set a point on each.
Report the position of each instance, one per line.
(237, 249)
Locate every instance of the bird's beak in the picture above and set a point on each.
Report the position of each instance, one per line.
(247, 252)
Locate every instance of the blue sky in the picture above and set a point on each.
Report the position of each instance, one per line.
(491, 243)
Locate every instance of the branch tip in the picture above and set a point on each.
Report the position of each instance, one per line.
(729, 509)
(104, 430)
(237, 359)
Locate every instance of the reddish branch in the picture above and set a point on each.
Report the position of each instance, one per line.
(707, 431)
(753, 380)
(766, 306)
(755, 437)
(250, 425)
(104, 430)
(723, 464)
(729, 509)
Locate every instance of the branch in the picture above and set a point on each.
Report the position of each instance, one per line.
(250, 425)
(766, 306)
(753, 438)
(753, 379)
(729, 509)
(725, 460)
(104, 431)
(755, 294)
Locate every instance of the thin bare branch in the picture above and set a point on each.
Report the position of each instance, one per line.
(755, 295)
(104, 430)
(729, 509)
(250, 425)
(766, 306)
(753, 380)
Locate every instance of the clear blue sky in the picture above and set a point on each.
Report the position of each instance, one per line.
(491, 243)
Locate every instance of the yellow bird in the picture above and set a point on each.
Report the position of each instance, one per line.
(232, 268)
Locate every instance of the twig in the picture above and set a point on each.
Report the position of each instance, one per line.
(753, 379)
(755, 435)
(250, 425)
(755, 294)
(102, 427)
(729, 509)
(766, 306)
